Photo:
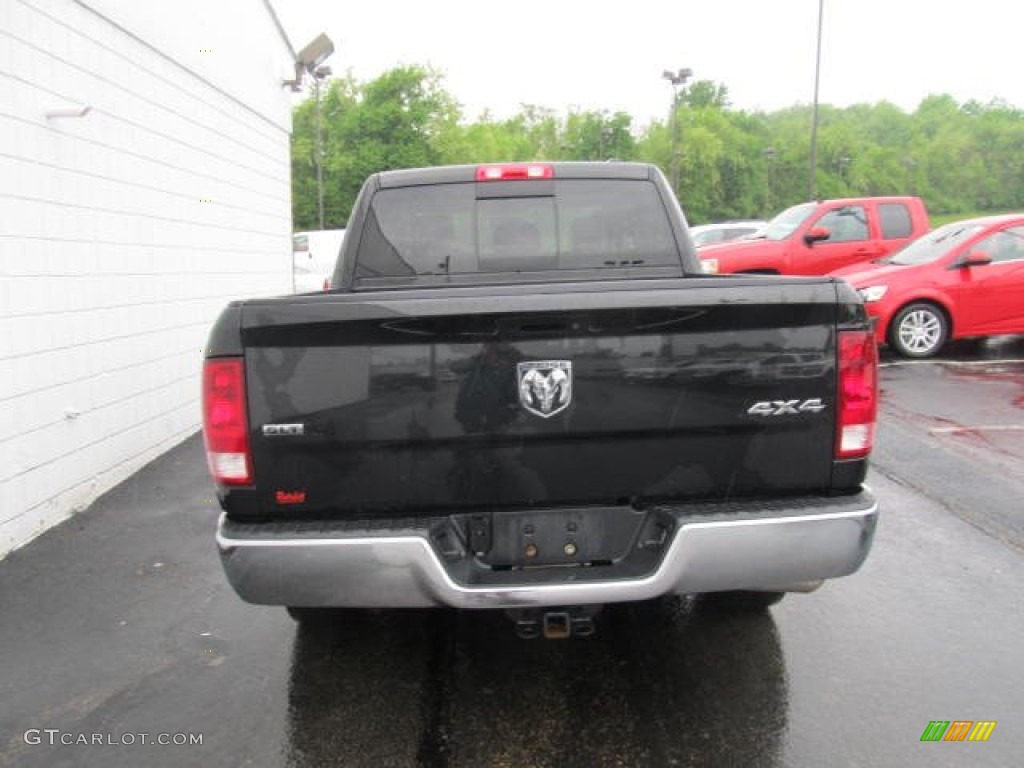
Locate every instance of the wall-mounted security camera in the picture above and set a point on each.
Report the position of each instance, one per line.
(309, 60)
(316, 53)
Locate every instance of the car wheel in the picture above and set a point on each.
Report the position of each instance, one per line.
(313, 616)
(738, 602)
(919, 330)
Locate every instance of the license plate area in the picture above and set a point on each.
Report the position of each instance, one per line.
(563, 537)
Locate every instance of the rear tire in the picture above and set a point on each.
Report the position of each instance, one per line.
(919, 330)
(738, 601)
(306, 616)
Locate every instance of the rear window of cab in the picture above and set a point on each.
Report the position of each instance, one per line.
(549, 226)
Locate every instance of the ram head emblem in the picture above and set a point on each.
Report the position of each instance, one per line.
(545, 386)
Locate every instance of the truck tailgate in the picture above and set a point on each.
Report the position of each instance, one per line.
(427, 401)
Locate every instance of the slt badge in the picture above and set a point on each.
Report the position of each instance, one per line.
(545, 386)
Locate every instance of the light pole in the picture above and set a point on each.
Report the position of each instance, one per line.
(769, 155)
(844, 166)
(607, 135)
(318, 76)
(677, 79)
(814, 117)
(310, 59)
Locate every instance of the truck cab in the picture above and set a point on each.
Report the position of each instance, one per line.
(819, 237)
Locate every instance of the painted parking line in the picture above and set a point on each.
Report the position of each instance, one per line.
(953, 363)
(981, 428)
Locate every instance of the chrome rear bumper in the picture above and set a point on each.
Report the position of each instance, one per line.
(743, 547)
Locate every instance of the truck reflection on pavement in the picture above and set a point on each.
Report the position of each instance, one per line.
(660, 684)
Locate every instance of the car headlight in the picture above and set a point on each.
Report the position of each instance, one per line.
(873, 292)
(710, 266)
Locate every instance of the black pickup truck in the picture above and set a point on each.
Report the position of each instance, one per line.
(522, 393)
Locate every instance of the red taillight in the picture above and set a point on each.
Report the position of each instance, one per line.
(858, 394)
(225, 425)
(514, 172)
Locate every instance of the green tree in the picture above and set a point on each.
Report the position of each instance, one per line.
(958, 157)
(597, 136)
(395, 121)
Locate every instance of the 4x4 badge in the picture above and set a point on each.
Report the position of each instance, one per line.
(545, 386)
(786, 407)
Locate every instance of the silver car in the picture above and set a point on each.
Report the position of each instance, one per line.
(721, 232)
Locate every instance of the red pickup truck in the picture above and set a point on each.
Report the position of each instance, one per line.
(816, 238)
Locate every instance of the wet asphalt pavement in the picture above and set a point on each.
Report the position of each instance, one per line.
(120, 623)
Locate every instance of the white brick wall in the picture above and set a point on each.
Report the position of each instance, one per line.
(124, 232)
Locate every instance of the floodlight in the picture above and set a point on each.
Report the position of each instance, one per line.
(316, 53)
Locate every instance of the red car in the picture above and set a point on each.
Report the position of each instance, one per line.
(816, 238)
(961, 280)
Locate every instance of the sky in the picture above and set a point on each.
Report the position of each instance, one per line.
(572, 55)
